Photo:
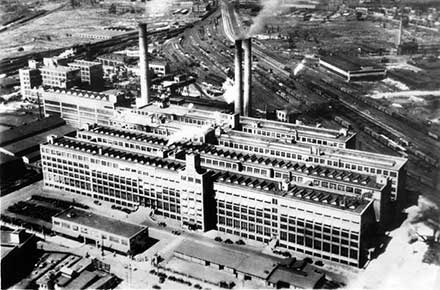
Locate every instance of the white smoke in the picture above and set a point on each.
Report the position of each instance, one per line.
(157, 7)
(190, 133)
(424, 214)
(299, 67)
(230, 91)
(269, 9)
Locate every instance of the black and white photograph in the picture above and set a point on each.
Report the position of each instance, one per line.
(220, 144)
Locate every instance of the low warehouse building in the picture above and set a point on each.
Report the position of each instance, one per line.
(352, 69)
(244, 265)
(105, 232)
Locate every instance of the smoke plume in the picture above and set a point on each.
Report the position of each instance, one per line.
(189, 133)
(158, 7)
(229, 88)
(299, 67)
(426, 213)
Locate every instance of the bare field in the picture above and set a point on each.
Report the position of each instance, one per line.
(57, 29)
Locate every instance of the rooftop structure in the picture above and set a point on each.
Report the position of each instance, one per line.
(248, 265)
(299, 133)
(352, 69)
(325, 199)
(91, 220)
(81, 107)
(107, 232)
(60, 76)
(24, 141)
(27, 130)
(91, 73)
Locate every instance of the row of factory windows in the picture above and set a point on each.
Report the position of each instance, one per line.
(64, 154)
(270, 133)
(246, 212)
(284, 206)
(66, 161)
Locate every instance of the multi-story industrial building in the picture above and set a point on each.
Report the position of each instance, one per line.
(296, 143)
(81, 107)
(91, 73)
(60, 76)
(158, 115)
(30, 80)
(200, 169)
(159, 67)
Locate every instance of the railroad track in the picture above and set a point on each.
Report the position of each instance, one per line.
(11, 65)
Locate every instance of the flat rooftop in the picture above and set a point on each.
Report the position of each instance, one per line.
(317, 170)
(59, 68)
(130, 135)
(289, 127)
(297, 192)
(80, 93)
(22, 146)
(100, 222)
(350, 63)
(231, 154)
(362, 157)
(274, 269)
(260, 265)
(81, 62)
(33, 128)
(177, 110)
(99, 150)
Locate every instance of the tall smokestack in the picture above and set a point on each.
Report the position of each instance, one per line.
(238, 82)
(247, 76)
(144, 99)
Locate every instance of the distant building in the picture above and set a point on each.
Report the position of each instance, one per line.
(159, 67)
(102, 34)
(81, 107)
(112, 61)
(287, 116)
(64, 77)
(105, 232)
(91, 73)
(30, 80)
(352, 69)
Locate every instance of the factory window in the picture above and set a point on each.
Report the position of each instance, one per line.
(393, 174)
(353, 254)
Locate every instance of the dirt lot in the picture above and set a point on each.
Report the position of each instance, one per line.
(55, 30)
